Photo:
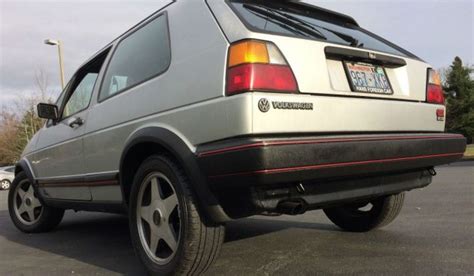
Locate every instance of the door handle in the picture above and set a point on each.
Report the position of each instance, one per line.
(77, 122)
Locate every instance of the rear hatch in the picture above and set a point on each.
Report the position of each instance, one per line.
(331, 55)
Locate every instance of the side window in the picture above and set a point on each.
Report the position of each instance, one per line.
(81, 96)
(60, 99)
(139, 57)
(82, 86)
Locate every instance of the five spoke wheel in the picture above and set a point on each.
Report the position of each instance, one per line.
(158, 218)
(27, 206)
(168, 233)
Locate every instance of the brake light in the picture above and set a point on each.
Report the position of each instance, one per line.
(434, 90)
(258, 65)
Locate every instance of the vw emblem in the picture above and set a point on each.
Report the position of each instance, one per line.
(264, 105)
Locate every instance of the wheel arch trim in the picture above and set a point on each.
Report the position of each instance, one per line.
(24, 165)
(181, 151)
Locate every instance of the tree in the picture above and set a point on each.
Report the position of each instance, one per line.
(10, 149)
(459, 86)
(16, 130)
(19, 124)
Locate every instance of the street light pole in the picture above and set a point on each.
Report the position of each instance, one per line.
(61, 66)
(60, 53)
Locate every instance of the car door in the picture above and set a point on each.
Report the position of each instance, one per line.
(138, 57)
(59, 162)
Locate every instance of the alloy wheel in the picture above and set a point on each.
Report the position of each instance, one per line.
(5, 184)
(158, 218)
(28, 209)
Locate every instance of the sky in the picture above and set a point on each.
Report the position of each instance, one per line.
(435, 30)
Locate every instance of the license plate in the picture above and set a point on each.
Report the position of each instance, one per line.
(368, 78)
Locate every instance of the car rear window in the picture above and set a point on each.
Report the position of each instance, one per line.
(288, 19)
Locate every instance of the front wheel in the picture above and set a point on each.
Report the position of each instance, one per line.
(27, 212)
(168, 233)
(5, 184)
(366, 216)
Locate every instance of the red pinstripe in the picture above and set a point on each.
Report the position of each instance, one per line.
(335, 165)
(320, 141)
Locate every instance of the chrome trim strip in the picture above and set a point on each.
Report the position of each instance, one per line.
(76, 175)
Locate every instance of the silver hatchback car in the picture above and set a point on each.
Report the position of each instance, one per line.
(214, 110)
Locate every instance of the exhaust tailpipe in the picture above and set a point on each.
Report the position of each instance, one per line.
(292, 207)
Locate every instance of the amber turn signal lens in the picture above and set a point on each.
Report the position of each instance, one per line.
(248, 51)
(434, 90)
(434, 77)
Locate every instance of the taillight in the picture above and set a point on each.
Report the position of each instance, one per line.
(258, 65)
(434, 90)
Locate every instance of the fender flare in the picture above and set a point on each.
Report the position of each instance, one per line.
(23, 165)
(173, 144)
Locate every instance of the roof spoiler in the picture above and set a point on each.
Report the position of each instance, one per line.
(328, 14)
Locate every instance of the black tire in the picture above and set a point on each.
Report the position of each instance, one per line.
(199, 242)
(48, 218)
(350, 218)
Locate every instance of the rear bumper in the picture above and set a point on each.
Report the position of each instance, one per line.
(266, 161)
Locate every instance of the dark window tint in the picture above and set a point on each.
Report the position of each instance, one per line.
(142, 55)
(281, 18)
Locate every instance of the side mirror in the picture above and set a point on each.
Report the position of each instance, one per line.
(48, 111)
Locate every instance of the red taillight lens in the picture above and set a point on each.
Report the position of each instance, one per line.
(434, 90)
(262, 77)
(435, 94)
(256, 65)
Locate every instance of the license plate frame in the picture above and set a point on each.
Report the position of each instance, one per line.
(379, 79)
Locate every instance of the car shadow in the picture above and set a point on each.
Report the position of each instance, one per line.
(255, 226)
(103, 240)
(96, 239)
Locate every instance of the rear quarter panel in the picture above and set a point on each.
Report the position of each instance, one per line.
(183, 99)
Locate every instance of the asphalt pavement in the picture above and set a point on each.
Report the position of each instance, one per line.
(434, 235)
